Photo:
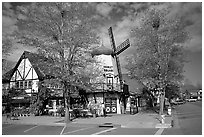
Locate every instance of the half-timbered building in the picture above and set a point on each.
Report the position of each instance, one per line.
(30, 69)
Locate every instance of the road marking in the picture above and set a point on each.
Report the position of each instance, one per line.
(63, 130)
(30, 128)
(97, 133)
(77, 130)
(159, 132)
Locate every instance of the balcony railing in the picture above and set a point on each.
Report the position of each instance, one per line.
(107, 86)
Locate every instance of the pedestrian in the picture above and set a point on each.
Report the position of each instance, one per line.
(104, 110)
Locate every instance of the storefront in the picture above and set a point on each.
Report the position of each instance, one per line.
(111, 105)
(111, 101)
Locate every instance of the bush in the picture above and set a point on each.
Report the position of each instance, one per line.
(61, 111)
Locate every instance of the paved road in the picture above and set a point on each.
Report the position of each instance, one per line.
(189, 121)
(19, 129)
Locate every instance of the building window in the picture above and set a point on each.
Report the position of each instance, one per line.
(17, 84)
(25, 84)
(29, 84)
(21, 84)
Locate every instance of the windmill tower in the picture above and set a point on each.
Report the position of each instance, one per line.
(112, 73)
(114, 52)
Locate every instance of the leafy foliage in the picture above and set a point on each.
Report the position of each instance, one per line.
(64, 33)
(172, 90)
(159, 56)
(61, 31)
(8, 96)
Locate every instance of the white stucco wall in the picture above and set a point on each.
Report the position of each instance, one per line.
(107, 60)
(25, 72)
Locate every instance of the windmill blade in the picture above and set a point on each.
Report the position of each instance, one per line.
(115, 59)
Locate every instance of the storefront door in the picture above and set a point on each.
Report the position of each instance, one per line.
(111, 105)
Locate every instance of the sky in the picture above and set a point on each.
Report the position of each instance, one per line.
(122, 17)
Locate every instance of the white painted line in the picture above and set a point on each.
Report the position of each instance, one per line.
(77, 130)
(159, 132)
(104, 131)
(63, 129)
(30, 128)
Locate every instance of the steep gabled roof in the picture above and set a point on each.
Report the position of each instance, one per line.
(7, 76)
(135, 87)
(41, 65)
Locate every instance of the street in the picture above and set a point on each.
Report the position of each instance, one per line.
(188, 121)
(59, 130)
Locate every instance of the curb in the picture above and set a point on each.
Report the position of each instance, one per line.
(163, 125)
(168, 124)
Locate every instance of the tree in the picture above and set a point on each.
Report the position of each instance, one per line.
(159, 57)
(64, 33)
(8, 96)
(172, 90)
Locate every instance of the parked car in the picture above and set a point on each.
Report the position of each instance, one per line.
(178, 102)
(192, 100)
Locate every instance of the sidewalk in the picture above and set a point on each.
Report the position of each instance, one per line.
(139, 120)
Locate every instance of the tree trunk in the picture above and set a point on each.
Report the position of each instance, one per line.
(161, 112)
(162, 98)
(67, 105)
(67, 115)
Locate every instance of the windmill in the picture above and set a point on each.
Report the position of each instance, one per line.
(114, 52)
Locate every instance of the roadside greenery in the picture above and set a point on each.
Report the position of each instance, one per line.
(159, 59)
(64, 33)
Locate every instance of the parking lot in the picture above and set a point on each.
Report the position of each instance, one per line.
(21, 129)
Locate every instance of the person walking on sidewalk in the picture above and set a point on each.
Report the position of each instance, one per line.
(104, 110)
